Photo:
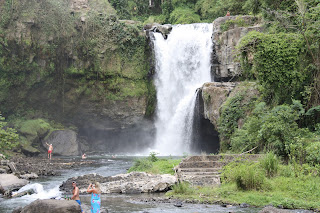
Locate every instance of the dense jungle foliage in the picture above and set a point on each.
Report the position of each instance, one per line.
(284, 61)
(54, 57)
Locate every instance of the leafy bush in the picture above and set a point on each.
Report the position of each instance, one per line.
(232, 23)
(313, 153)
(247, 175)
(155, 165)
(8, 136)
(237, 106)
(141, 165)
(276, 64)
(153, 157)
(184, 16)
(286, 170)
(270, 129)
(182, 188)
(231, 112)
(270, 163)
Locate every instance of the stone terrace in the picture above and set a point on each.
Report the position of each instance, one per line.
(206, 169)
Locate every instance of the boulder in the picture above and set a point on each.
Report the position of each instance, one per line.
(133, 182)
(28, 150)
(20, 194)
(51, 206)
(65, 142)
(164, 29)
(9, 182)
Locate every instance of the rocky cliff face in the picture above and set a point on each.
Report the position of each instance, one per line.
(214, 94)
(75, 63)
(227, 34)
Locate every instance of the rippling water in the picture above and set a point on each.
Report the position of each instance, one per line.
(107, 166)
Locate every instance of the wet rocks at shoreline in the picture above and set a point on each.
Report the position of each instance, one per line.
(131, 183)
(31, 167)
(9, 183)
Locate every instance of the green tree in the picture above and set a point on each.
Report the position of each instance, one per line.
(269, 129)
(277, 64)
(8, 136)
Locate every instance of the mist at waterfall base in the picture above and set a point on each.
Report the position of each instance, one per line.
(183, 64)
(127, 140)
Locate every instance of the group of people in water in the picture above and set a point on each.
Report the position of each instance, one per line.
(95, 191)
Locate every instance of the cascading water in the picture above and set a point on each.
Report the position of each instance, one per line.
(182, 66)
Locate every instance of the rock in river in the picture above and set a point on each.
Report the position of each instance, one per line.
(9, 182)
(133, 182)
(51, 206)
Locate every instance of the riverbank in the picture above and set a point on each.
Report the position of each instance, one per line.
(257, 183)
(42, 166)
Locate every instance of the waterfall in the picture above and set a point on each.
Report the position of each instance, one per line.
(182, 66)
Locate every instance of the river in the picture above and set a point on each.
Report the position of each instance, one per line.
(107, 166)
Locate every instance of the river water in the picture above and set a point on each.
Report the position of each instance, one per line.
(48, 187)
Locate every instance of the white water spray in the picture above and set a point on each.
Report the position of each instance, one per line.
(182, 66)
(40, 192)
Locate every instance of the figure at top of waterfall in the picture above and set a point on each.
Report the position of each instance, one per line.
(228, 13)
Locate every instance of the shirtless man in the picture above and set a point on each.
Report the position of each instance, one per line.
(49, 150)
(75, 194)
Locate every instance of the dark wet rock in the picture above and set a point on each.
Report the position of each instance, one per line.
(10, 182)
(271, 209)
(178, 204)
(3, 171)
(52, 206)
(244, 205)
(27, 192)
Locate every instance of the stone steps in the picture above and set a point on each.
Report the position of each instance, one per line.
(206, 169)
(200, 173)
(186, 170)
(203, 164)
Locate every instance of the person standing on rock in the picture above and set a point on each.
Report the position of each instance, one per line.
(75, 194)
(95, 197)
(49, 150)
